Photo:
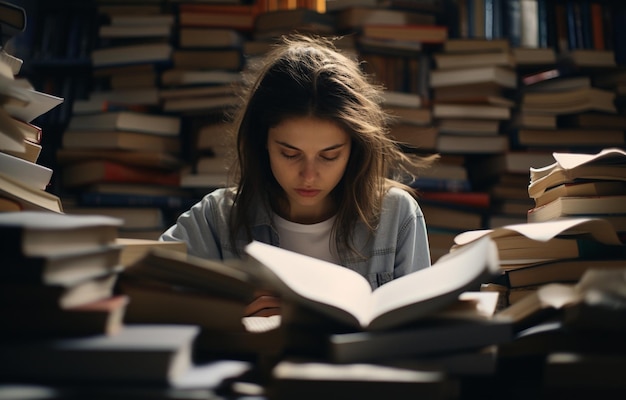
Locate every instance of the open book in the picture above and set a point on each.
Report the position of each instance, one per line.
(345, 296)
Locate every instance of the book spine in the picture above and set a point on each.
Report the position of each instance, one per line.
(463, 19)
(126, 200)
(562, 38)
(120, 173)
(570, 9)
(617, 33)
(585, 32)
(514, 19)
(529, 23)
(543, 24)
(597, 26)
(498, 28)
(489, 20)
(450, 185)
(479, 19)
(469, 18)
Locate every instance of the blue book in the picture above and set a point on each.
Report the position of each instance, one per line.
(498, 26)
(572, 37)
(543, 23)
(513, 17)
(489, 19)
(585, 33)
(440, 184)
(134, 200)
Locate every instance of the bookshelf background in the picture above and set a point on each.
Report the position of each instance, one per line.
(200, 46)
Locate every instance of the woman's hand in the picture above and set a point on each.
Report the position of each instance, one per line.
(264, 304)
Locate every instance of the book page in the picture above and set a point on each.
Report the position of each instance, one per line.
(337, 290)
(573, 160)
(600, 229)
(425, 291)
(39, 104)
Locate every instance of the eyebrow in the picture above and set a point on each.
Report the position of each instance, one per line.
(329, 148)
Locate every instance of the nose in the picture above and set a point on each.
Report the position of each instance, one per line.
(308, 170)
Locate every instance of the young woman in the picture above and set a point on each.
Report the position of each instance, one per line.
(312, 168)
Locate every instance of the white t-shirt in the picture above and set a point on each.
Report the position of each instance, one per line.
(312, 240)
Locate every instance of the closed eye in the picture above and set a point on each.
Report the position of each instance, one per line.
(290, 156)
(330, 158)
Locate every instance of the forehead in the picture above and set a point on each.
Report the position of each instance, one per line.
(307, 131)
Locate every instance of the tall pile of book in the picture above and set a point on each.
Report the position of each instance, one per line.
(24, 182)
(470, 101)
(201, 82)
(120, 155)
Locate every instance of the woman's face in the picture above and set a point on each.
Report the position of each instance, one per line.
(308, 157)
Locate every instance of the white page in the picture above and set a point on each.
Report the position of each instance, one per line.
(39, 104)
(450, 273)
(573, 160)
(317, 280)
(600, 229)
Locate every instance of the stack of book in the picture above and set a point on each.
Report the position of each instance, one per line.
(395, 45)
(573, 335)
(203, 49)
(538, 253)
(412, 121)
(578, 114)
(129, 37)
(579, 184)
(505, 177)
(66, 323)
(271, 25)
(470, 95)
(60, 274)
(124, 164)
(171, 288)
(214, 144)
(23, 181)
(119, 155)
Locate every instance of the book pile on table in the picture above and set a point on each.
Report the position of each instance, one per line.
(65, 321)
(592, 185)
(59, 274)
(562, 280)
(571, 336)
(538, 253)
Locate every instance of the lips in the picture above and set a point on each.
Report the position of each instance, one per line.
(308, 192)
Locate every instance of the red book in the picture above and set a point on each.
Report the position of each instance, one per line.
(597, 26)
(98, 171)
(471, 199)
